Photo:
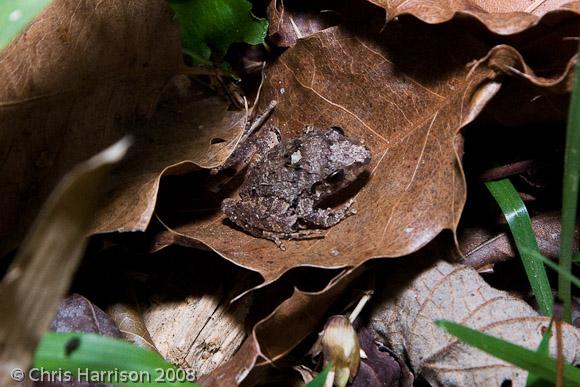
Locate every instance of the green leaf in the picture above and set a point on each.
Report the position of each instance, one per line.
(541, 365)
(320, 379)
(566, 274)
(544, 349)
(79, 352)
(212, 25)
(15, 15)
(570, 196)
(516, 214)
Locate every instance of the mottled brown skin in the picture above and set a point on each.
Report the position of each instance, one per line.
(281, 192)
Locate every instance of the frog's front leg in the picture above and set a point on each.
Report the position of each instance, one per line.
(326, 218)
(253, 145)
(247, 153)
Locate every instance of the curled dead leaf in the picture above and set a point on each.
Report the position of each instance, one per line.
(509, 61)
(128, 318)
(195, 132)
(406, 93)
(77, 80)
(500, 17)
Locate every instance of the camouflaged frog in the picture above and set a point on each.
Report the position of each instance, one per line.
(280, 195)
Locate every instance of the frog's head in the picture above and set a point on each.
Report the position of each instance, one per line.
(347, 160)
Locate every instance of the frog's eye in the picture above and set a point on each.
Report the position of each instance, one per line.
(335, 176)
(314, 187)
(338, 129)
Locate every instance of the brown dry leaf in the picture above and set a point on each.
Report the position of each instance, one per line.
(501, 17)
(131, 325)
(412, 299)
(234, 371)
(41, 273)
(184, 135)
(482, 247)
(271, 338)
(406, 93)
(290, 21)
(84, 73)
(77, 314)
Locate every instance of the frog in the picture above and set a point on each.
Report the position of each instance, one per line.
(281, 194)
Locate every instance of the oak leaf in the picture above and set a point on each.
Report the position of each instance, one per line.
(406, 93)
(82, 75)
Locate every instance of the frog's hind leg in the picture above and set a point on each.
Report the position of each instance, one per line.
(298, 235)
(326, 218)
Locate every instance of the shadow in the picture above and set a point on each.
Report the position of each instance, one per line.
(173, 274)
(341, 197)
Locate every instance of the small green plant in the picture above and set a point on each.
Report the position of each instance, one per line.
(15, 15)
(209, 27)
(106, 360)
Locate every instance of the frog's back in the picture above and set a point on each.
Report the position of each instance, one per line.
(284, 172)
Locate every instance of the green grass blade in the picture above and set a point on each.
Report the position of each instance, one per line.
(520, 225)
(541, 365)
(543, 349)
(72, 352)
(320, 379)
(570, 196)
(15, 15)
(552, 265)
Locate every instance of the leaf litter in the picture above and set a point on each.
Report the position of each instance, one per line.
(83, 74)
(296, 69)
(403, 91)
(404, 313)
(408, 112)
